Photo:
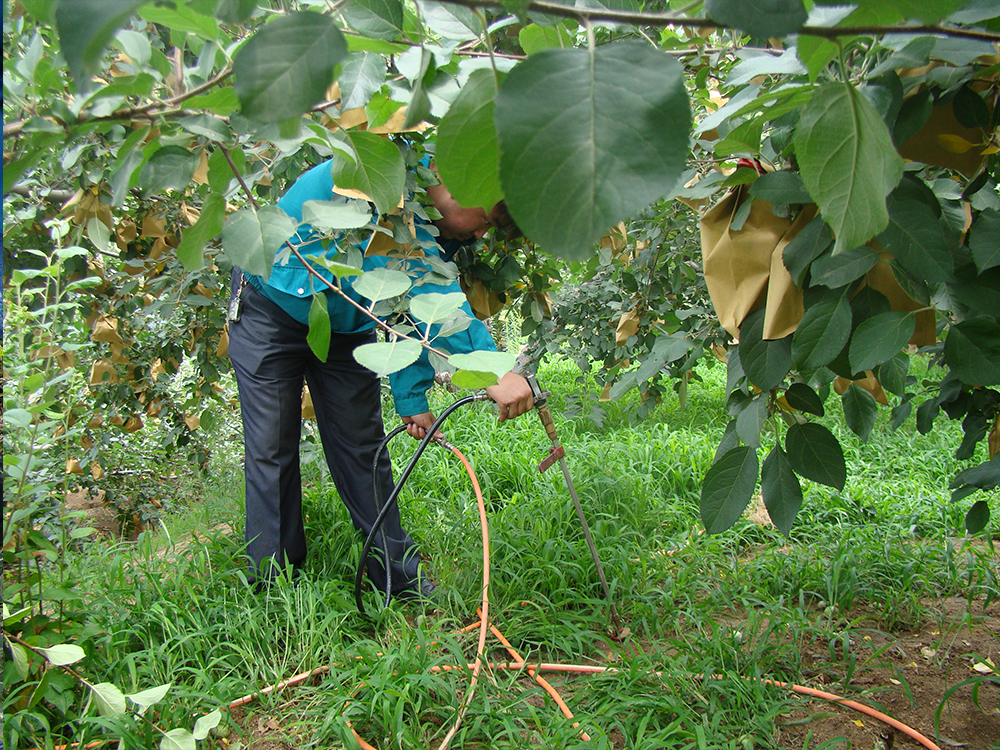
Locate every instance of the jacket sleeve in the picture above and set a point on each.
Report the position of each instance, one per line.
(410, 385)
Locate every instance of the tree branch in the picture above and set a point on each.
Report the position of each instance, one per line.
(668, 19)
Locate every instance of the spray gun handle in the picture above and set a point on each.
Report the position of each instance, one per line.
(537, 393)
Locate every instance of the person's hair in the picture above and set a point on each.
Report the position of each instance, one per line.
(503, 220)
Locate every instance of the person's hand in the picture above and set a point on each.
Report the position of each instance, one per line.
(512, 395)
(418, 425)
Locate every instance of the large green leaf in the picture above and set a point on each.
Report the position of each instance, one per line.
(978, 517)
(149, 697)
(377, 19)
(972, 350)
(815, 454)
(434, 307)
(780, 187)
(569, 166)
(181, 18)
(379, 171)
(839, 270)
(287, 66)
(984, 240)
(848, 162)
(63, 654)
(879, 339)
(336, 214)
(860, 411)
(170, 168)
(85, 28)
(665, 349)
(780, 490)
(917, 239)
(759, 18)
(822, 333)
(382, 283)
(318, 337)
(109, 699)
(803, 398)
(805, 247)
(750, 421)
(497, 363)
(195, 238)
(727, 488)
(385, 358)
(361, 76)
(453, 22)
(765, 362)
(178, 739)
(535, 38)
(251, 238)
(467, 150)
(986, 476)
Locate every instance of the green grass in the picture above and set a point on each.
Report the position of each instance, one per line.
(175, 608)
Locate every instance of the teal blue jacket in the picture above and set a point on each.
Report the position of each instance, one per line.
(290, 287)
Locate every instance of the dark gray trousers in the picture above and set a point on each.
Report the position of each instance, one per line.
(271, 358)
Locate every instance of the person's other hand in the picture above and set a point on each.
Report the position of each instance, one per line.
(418, 425)
(512, 395)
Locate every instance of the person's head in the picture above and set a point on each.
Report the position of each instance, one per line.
(466, 224)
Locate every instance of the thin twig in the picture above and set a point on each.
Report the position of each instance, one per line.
(232, 165)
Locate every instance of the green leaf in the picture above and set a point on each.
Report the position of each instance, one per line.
(848, 162)
(361, 76)
(665, 349)
(183, 19)
(63, 654)
(178, 739)
(453, 22)
(195, 238)
(860, 411)
(150, 697)
(206, 724)
(170, 168)
(385, 358)
(498, 363)
(822, 333)
(810, 243)
(780, 187)
(780, 489)
(766, 363)
(433, 307)
(972, 350)
(340, 270)
(803, 398)
(473, 379)
(816, 53)
(879, 339)
(917, 240)
(19, 655)
(727, 489)
(85, 28)
(349, 214)
(759, 18)
(205, 125)
(970, 109)
(891, 374)
(467, 149)
(318, 337)
(815, 454)
(978, 517)
(835, 271)
(381, 283)
(568, 168)
(379, 171)
(377, 19)
(287, 66)
(751, 420)
(535, 38)
(984, 240)
(220, 101)
(729, 441)
(986, 476)
(251, 238)
(109, 699)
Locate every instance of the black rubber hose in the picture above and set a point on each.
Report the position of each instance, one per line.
(393, 497)
(378, 507)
